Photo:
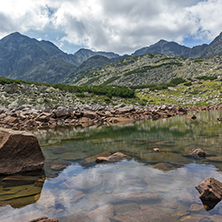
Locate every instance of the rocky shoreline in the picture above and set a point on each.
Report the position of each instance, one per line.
(25, 119)
(29, 106)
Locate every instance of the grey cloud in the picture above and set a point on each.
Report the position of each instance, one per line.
(6, 23)
(131, 9)
(118, 25)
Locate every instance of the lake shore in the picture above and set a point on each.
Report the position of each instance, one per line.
(28, 118)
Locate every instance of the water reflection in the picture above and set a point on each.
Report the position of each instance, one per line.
(154, 185)
(20, 190)
(117, 189)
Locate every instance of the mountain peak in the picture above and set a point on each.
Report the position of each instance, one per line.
(162, 41)
(16, 35)
(217, 40)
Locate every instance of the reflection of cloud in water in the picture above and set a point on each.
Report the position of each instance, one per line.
(73, 192)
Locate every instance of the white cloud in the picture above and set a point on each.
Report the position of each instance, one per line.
(117, 25)
(207, 18)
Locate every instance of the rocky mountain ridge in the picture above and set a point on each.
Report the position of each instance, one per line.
(151, 69)
(174, 49)
(29, 59)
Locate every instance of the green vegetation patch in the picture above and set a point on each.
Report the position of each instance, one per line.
(205, 78)
(146, 68)
(172, 83)
(109, 91)
(110, 80)
(165, 59)
(92, 80)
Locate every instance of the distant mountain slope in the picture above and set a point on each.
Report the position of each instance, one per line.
(214, 48)
(166, 48)
(152, 68)
(174, 49)
(24, 58)
(83, 54)
(88, 65)
(94, 62)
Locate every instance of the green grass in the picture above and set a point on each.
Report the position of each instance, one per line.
(201, 104)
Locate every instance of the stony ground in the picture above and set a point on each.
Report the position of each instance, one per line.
(199, 93)
(25, 106)
(20, 96)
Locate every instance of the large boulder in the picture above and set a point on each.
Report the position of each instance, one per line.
(210, 191)
(19, 152)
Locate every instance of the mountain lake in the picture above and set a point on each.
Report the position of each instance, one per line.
(147, 186)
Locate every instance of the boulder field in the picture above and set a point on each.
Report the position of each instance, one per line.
(21, 119)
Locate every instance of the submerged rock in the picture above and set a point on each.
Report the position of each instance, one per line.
(118, 156)
(100, 214)
(98, 158)
(16, 180)
(19, 152)
(44, 219)
(144, 214)
(21, 190)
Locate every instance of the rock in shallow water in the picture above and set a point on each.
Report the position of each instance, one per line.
(118, 156)
(19, 152)
(198, 153)
(210, 191)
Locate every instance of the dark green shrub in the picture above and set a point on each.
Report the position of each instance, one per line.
(188, 83)
(206, 78)
(107, 99)
(177, 81)
(109, 91)
(80, 95)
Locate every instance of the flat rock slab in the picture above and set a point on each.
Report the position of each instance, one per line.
(19, 152)
(16, 180)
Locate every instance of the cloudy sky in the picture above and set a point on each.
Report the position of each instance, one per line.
(121, 26)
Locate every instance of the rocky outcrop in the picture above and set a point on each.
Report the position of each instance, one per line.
(19, 152)
(210, 191)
